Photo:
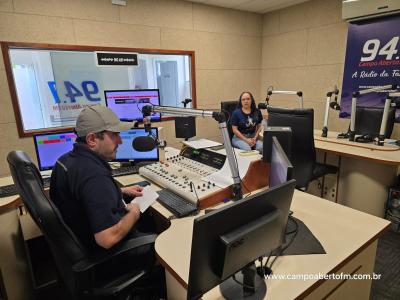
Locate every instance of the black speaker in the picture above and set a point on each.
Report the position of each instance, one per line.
(284, 136)
(185, 127)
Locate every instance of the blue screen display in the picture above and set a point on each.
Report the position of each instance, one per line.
(125, 151)
(49, 147)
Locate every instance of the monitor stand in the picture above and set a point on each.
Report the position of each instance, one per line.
(46, 173)
(126, 164)
(254, 289)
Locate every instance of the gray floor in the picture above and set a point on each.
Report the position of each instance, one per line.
(388, 264)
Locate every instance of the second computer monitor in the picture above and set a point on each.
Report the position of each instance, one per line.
(125, 151)
(369, 119)
(281, 169)
(127, 104)
(50, 146)
(230, 238)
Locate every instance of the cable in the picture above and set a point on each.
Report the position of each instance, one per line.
(240, 179)
(296, 225)
(295, 231)
(282, 249)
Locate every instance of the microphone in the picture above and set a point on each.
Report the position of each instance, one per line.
(334, 105)
(144, 143)
(147, 124)
(262, 106)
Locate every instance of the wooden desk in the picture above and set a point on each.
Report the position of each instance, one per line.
(348, 236)
(11, 202)
(13, 266)
(365, 171)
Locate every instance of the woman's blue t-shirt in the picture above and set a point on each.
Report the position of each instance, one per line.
(246, 123)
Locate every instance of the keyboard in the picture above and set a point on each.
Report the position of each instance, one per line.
(175, 203)
(11, 189)
(127, 170)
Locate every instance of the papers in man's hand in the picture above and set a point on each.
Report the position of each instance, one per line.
(148, 198)
(202, 143)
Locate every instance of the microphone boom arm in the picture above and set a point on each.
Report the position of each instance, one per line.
(220, 118)
(299, 94)
(328, 104)
(326, 116)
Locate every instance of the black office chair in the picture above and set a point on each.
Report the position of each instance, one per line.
(227, 107)
(368, 121)
(303, 156)
(76, 267)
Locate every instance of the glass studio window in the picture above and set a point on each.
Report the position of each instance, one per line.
(50, 84)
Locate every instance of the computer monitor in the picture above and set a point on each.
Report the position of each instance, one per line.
(281, 169)
(230, 238)
(125, 151)
(185, 127)
(369, 119)
(50, 146)
(127, 104)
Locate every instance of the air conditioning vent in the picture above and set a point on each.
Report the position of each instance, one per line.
(355, 10)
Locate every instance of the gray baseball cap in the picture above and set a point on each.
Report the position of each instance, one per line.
(99, 118)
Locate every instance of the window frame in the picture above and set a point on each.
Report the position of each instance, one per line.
(7, 46)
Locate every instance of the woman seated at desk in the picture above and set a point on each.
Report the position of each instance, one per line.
(246, 124)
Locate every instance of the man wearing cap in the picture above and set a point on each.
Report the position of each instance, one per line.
(83, 189)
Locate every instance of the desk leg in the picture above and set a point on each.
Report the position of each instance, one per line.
(363, 185)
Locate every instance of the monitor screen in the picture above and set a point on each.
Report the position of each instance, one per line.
(128, 104)
(125, 151)
(280, 167)
(50, 146)
(369, 119)
(230, 238)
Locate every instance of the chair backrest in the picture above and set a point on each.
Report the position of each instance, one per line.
(301, 121)
(227, 107)
(65, 247)
(303, 157)
(369, 119)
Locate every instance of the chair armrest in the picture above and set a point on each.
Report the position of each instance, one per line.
(116, 287)
(90, 263)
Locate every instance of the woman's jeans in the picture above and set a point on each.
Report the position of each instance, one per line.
(238, 143)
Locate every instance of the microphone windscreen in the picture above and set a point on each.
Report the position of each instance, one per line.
(334, 105)
(262, 106)
(144, 143)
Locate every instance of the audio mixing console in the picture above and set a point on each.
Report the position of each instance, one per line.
(183, 173)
